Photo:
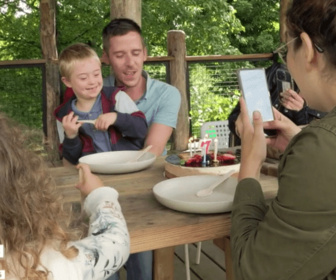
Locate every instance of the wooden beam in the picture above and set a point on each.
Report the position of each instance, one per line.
(127, 9)
(243, 57)
(49, 51)
(22, 62)
(284, 4)
(177, 49)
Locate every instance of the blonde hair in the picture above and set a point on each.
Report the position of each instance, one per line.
(31, 215)
(72, 54)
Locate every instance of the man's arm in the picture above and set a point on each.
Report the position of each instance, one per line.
(158, 136)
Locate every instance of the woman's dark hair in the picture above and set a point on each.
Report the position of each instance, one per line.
(318, 19)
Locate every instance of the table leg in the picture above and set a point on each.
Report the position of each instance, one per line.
(224, 244)
(163, 268)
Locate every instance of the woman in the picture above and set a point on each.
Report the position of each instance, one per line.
(37, 243)
(294, 237)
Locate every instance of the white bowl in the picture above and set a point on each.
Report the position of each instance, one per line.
(117, 162)
(180, 194)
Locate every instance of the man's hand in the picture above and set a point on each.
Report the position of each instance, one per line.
(158, 136)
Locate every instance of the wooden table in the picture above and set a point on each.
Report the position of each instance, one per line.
(151, 225)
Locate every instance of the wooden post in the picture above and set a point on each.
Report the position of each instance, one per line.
(126, 8)
(177, 49)
(49, 51)
(284, 4)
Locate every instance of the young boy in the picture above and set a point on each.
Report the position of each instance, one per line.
(116, 122)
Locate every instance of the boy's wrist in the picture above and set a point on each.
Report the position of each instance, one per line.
(71, 136)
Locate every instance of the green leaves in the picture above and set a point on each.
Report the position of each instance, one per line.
(207, 24)
(261, 21)
(19, 32)
(212, 95)
(211, 27)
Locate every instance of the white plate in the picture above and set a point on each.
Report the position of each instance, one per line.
(180, 194)
(116, 162)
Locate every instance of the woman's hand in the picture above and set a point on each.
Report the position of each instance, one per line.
(292, 100)
(286, 130)
(87, 181)
(253, 142)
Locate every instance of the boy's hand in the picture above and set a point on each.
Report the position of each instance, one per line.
(71, 125)
(87, 181)
(104, 121)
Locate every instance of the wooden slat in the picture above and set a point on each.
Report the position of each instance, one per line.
(157, 59)
(179, 268)
(23, 62)
(211, 265)
(262, 56)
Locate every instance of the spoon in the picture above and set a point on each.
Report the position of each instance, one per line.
(87, 121)
(141, 153)
(208, 191)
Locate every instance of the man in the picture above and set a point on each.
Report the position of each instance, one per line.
(124, 50)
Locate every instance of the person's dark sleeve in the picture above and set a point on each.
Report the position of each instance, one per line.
(72, 149)
(132, 125)
(232, 119)
(314, 114)
(304, 116)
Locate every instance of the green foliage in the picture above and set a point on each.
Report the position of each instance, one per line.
(206, 103)
(260, 19)
(208, 25)
(21, 95)
(77, 21)
(19, 32)
(211, 27)
(82, 21)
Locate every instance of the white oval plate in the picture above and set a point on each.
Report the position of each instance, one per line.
(180, 194)
(117, 162)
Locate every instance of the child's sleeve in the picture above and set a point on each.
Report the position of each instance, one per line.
(107, 246)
